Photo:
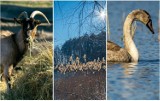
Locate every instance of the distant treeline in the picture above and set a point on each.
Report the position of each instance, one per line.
(93, 46)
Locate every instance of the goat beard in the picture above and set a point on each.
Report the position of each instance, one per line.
(33, 33)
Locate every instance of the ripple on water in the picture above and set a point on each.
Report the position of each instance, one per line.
(127, 80)
(138, 82)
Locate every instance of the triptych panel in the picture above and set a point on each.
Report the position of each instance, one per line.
(79, 50)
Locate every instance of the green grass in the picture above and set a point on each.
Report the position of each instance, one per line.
(28, 3)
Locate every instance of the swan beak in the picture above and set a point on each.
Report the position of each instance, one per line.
(149, 25)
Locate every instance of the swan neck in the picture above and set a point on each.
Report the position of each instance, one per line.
(128, 38)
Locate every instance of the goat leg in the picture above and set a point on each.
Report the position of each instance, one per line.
(7, 78)
(11, 71)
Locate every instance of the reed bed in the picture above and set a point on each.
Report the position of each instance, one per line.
(81, 66)
(78, 80)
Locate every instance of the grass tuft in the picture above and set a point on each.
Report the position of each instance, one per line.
(34, 81)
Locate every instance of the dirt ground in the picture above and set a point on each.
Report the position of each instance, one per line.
(80, 85)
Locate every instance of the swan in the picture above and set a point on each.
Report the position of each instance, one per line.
(129, 53)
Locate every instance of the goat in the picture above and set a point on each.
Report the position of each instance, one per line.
(13, 46)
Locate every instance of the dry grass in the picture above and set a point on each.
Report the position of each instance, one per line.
(29, 3)
(86, 85)
(34, 81)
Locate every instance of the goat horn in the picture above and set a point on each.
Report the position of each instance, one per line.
(25, 14)
(34, 13)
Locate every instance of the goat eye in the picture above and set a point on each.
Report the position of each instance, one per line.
(31, 27)
(35, 23)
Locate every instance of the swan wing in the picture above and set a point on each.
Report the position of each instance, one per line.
(112, 46)
(117, 54)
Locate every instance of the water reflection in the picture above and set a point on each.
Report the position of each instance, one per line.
(129, 69)
(133, 80)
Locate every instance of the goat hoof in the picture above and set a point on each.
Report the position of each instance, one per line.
(9, 85)
(17, 68)
(1, 78)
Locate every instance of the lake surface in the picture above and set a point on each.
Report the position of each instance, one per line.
(129, 80)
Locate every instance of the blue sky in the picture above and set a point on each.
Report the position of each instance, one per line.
(66, 20)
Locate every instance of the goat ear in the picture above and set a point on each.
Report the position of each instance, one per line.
(38, 22)
(18, 20)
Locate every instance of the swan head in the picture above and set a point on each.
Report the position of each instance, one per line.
(150, 27)
(144, 17)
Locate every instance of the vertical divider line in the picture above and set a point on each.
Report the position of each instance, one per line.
(159, 46)
(0, 53)
(53, 46)
(106, 45)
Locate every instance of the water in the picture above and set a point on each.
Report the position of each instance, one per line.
(133, 81)
(129, 80)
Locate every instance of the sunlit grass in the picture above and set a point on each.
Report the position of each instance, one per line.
(35, 80)
(29, 3)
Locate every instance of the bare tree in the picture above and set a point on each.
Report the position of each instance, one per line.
(86, 11)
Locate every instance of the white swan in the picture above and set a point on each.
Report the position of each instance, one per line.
(129, 53)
